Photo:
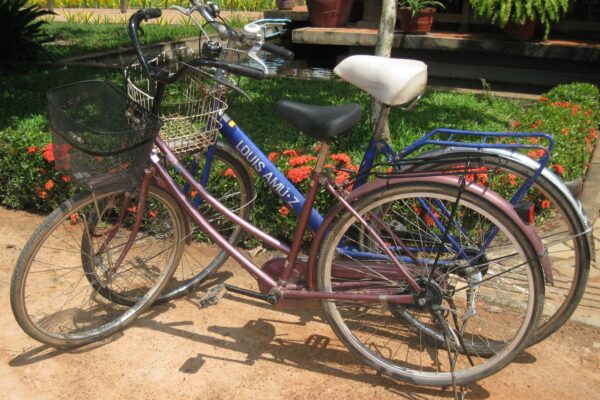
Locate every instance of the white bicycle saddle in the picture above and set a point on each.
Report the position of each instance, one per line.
(392, 81)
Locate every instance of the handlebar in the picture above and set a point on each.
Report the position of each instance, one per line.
(278, 51)
(164, 76)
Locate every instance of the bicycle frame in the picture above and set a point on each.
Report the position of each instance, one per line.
(280, 287)
(244, 146)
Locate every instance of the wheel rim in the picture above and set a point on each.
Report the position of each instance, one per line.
(374, 328)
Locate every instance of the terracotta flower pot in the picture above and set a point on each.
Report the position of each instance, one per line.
(285, 4)
(329, 13)
(516, 31)
(421, 23)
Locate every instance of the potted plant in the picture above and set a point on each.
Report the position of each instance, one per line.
(519, 18)
(416, 16)
(329, 13)
(285, 4)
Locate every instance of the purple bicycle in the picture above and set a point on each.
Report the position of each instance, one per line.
(424, 276)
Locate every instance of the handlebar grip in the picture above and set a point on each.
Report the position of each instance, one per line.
(151, 13)
(246, 71)
(278, 51)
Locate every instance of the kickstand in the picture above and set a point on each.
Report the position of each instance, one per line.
(460, 392)
(212, 296)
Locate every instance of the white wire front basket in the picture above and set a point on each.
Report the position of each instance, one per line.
(191, 107)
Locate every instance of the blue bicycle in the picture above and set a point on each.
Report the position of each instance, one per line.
(224, 167)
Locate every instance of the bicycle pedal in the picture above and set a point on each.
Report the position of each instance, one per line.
(212, 296)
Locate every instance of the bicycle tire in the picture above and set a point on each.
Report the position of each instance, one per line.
(51, 299)
(239, 195)
(558, 305)
(371, 336)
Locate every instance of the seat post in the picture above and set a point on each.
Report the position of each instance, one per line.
(304, 216)
(322, 157)
(383, 116)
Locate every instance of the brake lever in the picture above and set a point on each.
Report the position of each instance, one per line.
(252, 54)
(184, 11)
(224, 82)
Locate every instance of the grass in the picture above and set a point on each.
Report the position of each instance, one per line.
(436, 109)
(23, 104)
(246, 5)
(74, 39)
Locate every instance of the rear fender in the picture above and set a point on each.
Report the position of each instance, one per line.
(531, 164)
(446, 180)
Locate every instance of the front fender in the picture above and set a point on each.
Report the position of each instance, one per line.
(447, 180)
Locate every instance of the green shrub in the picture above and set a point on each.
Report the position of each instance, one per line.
(22, 35)
(584, 94)
(28, 178)
(570, 114)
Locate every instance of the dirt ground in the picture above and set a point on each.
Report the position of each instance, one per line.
(241, 349)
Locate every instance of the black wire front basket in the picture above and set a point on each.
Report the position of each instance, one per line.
(100, 137)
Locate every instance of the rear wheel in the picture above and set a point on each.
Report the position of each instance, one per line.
(557, 224)
(481, 306)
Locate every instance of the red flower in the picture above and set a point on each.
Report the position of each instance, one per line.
(588, 113)
(482, 179)
(340, 158)
(318, 146)
(229, 172)
(559, 169)
(543, 98)
(299, 174)
(429, 220)
(152, 214)
(301, 160)
(32, 149)
(273, 156)
(48, 153)
(284, 211)
(42, 194)
(512, 179)
(541, 153)
(515, 124)
(341, 177)
(533, 140)
(290, 153)
(537, 124)
(193, 194)
(74, 218)
(593, 133)
(575, 109)
(49, 185)
(66, 178)
(132, 209)
(545, 204)
(564, 131)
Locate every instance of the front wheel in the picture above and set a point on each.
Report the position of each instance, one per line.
(67, 289)
(482, 302)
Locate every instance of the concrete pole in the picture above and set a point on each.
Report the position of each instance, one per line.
(383, 48)
(123, 6)
(50, 5)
